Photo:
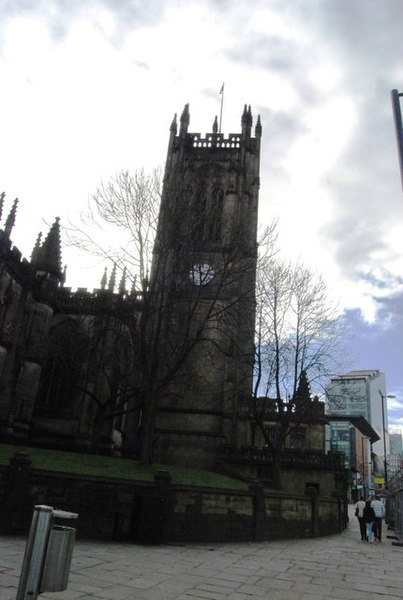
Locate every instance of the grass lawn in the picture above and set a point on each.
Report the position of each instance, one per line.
(108, 466)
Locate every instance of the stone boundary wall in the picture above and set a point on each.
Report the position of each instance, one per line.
(160, 511)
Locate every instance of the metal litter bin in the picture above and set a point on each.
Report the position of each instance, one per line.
(56, 569)
(48, 553)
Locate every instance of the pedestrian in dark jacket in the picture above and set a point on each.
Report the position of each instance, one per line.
(369, 518)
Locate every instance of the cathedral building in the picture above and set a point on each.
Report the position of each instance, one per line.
(164, 375)
(171, 371)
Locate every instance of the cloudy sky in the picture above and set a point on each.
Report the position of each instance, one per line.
(90, 88)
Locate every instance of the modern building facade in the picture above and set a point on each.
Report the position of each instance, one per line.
(395, 457)
(359, 393)
(395, 442)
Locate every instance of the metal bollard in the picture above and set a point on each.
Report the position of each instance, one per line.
(48, 552)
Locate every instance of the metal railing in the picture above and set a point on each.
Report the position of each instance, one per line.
(394, 504)
(308, 458)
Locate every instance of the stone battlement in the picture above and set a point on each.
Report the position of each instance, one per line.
(215, 140)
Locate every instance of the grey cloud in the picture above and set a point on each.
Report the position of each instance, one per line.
(280, 130)
(278, 55)
(365, 207)
(60, 14)
(269, 52)
(366, 40)
(362, 183)
(366, 27)
(351, 234)
(386, 280)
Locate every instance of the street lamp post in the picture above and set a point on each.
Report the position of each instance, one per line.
(397, 114)
(363, 465)
(385, 464)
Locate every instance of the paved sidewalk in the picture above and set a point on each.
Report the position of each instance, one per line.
(333, 568)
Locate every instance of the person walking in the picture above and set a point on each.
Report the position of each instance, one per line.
(369, 518)
(379, 509)
(359, 513)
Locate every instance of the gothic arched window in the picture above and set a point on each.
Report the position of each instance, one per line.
(207, 204)
(62, 369)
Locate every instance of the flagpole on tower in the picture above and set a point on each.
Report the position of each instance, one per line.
(222, 102)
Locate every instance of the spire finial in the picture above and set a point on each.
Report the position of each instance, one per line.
(258, 128)
(104, 279)
(122, 283)
(10, 221)
(246, 122)
(215, 125)
(2, 196)
(112, 279)
(244, 115)
(36, 249)
(185, 119)
(174, 125)
(48, 257)
(303, 393)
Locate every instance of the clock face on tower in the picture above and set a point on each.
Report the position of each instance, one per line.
(201, 274)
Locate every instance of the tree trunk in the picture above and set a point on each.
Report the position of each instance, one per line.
(276, 466)
(147, 429)
(97, 431)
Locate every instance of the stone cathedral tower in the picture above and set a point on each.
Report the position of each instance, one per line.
(203, 284)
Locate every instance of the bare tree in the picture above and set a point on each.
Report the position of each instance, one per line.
(190, 327)
(180, 325)
(298, 338)
(126, 209)
(189, 315)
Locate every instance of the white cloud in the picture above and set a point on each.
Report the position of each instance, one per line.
(91, 88)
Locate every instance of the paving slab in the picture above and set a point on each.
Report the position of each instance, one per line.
(337, 567)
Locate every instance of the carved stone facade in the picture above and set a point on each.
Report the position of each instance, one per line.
(59, 381)
(115, 371)
(204, 268)
(57, 356)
